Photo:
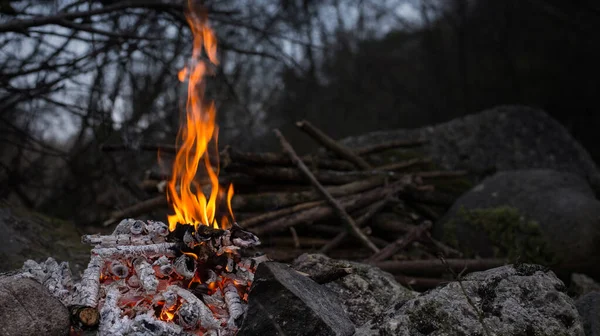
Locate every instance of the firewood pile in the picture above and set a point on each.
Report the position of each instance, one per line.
(351, 204)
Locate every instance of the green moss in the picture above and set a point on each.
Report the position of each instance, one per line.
(428, 318)
(510, 233)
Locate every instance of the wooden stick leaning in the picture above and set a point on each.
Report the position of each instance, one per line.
(332, 201)
(332, 145)
(364, 219)
(320, 212)
(400, 243)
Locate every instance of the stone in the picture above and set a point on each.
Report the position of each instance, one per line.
(582, 284)
(589, 309)
(523, 299)
(502, 138)
(365, 293)
(26, 308)
(537, 215)
(30, 235)
(284, 302)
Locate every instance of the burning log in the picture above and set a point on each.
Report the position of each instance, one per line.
(194, 311)
(87, 290)
(166, 249)
(181, 267)
(110, 313)
(146, 275)
(120, 240)
(234, 303)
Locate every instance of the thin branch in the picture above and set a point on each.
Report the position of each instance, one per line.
(332, 201)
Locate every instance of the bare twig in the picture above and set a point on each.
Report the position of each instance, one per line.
(362, 221)
(332, 201)
(435, 266)
(400, 243)
(332, 145)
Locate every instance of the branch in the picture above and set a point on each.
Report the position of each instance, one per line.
(332, 145)
(332, 201)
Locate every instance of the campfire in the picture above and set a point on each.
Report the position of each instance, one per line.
(191, 276)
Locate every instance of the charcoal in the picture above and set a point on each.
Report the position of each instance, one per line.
(284, 302)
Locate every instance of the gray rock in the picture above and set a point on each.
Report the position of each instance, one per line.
(582, 284)
(497, 139)
(365, 293)
(539, 216)
(284, 302)
(26, 309)
(589, 309)
(30, 235)
(519, 300)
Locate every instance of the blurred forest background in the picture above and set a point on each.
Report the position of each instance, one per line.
(78, 75)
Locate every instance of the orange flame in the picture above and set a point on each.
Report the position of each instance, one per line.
(184, 193)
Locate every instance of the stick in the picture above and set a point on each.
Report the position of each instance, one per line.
(388, 145)
(435, 266)
(134, 250)
(400, 243)
(332, 201)
(283, 199)
(87, 290)
(273, 173)
(314, 214)
(362, 221)
(404, 164)
(230, 155)
(332, 145)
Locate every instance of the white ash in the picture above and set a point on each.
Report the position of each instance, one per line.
(181, 267)
(110, 313)
(121, 239)
(118, 269)
(87, 290)
(193, 310)
(146, 275)
(55, 277)
(161, 249)
(234, 303)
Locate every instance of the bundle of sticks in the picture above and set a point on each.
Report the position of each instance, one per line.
(297, 203)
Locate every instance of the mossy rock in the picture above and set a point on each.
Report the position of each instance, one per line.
(31, 235)
(508, 234)
(536, 215)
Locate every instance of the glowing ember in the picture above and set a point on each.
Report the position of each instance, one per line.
(198, 130)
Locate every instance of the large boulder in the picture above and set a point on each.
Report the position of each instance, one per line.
(540, 216)
(284, 302)
(365, 293)
(497, 139)
(26, 308)
(505, 301)
(30, 235)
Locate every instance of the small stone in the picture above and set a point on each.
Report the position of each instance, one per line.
(284, 302)
(26, 308)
